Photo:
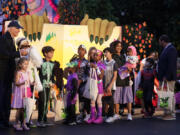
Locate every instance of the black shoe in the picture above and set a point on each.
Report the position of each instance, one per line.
(65, 122)
(8, 125)
(2, 126)
(31, 125)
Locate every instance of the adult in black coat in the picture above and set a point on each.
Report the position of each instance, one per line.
(8, 54)
(167, 69)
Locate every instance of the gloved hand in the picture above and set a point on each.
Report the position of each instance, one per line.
(33, 25)
(99, 30)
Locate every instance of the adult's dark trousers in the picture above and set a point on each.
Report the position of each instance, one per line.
(5, 100)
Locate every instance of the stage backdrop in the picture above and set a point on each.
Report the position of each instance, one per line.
(65, 39)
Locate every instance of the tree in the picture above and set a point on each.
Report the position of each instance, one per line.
(162, 16)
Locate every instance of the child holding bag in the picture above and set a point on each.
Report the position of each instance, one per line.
(72, 90)
(22, 85)
(100, 68)
(109, 82)
(47, 77)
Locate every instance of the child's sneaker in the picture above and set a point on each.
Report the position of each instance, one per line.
(87, 117)
(41, 124)
(99, 120)
(31, 124)
(112, 119)
(72, 123)
(105, 118)
(79, 119)
(18, 127)
(25, 127)
(48, 123)
(129, 117)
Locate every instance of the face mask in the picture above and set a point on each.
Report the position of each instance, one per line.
(27, 57)
(25, 50)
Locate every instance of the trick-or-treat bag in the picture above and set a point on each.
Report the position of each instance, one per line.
(165, 100)
(91, 88)
(29, 105)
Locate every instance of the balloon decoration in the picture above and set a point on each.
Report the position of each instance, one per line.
(137, 35)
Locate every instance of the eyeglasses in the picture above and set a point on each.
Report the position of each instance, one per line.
(24, 46)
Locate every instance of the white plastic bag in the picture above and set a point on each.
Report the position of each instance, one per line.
(165, 98)
(91, 88)
(29, 105)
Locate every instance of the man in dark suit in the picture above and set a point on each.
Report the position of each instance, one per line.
(8, 54)
(167, 68)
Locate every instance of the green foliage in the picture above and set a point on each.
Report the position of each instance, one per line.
(69, 12)
(162, 16)
(98, 8)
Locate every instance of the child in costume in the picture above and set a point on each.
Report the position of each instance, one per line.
(82, 72)
(46, 74)
(100, 68)
(72, 90)
(21, 90)
(35, 61)
(109, 82)
(147, 85)
(131, 60)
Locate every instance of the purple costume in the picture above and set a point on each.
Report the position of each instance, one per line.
(71, 89)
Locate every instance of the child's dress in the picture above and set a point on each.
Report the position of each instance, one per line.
(19, 91)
